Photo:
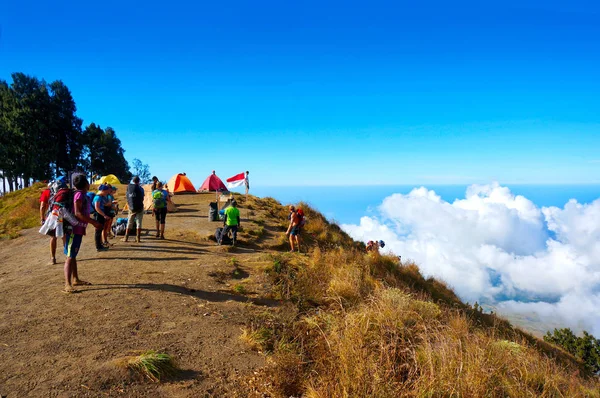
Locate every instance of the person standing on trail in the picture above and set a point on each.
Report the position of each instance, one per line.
(160, 199)
(74, 237)
(247, 182)
(44, 205)
(135, 200)
(231, 222)
(293, 230)
(100, 215)
(111, 209)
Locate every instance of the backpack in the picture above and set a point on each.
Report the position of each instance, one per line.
(225, 239)
(135, 198)
(63, 198)
(158, 198)
(90, 197)
(301, 218)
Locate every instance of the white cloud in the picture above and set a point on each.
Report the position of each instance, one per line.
(499, 248)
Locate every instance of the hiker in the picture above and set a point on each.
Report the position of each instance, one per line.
(294, 228)
(74, 237)
(374, 245)
(231, 222)
(111, 208)
(160, 199)
(154, 183)
(44, 205)
(247, 182)
(135, 200)
(100, 215)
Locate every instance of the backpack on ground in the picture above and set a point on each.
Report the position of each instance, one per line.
(213, 213)
(226, 239)
(120, 227)
(158, 198)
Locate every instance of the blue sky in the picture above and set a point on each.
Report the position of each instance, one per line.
(329, 93)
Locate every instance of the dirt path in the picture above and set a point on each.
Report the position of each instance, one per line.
(175, 295)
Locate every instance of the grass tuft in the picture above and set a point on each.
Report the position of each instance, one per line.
(153, 365)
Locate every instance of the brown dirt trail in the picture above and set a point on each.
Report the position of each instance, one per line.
(175, 296)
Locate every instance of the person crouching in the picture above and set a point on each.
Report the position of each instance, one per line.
(231, 222)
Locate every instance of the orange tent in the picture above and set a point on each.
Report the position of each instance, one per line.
(179, 183)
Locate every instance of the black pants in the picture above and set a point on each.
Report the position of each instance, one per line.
(98, 235)
(233, 229)
(161, 215)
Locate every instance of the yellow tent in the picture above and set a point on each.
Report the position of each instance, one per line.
(109, 179)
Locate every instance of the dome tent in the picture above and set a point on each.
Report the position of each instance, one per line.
(179, 184)
(107, 179)
(212, 183)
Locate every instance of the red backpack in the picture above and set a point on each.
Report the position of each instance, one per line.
(301, 219)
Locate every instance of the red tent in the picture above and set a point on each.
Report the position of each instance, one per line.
(212, 183)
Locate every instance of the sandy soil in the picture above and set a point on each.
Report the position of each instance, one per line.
(175, 296)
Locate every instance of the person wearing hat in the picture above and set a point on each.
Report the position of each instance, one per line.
(74, 238)
(99, 207)
(110, 208)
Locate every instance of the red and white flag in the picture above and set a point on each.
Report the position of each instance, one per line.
(236, 181)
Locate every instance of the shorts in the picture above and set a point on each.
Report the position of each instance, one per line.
(161, 215)
(295, 230)
(72, 245)
(138, 219)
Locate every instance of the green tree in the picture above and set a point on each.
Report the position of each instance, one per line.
(65, 129)
(586, 348)
(26, 114)
(8, 143)
(141, 170)
(104, 153)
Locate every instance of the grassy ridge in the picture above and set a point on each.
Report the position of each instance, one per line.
(358, 325)
(20, 210)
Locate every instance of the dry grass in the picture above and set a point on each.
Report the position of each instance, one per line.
(20, 210)
(150, 364)
(360, 325)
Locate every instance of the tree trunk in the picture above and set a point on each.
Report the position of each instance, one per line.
(3, 183)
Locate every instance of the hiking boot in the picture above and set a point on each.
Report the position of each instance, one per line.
(102, 249)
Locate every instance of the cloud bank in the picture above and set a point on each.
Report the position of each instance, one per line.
(501, 249)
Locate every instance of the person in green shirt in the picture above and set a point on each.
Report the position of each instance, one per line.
(231, 222)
